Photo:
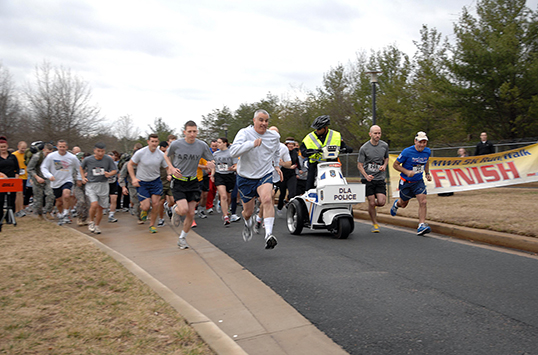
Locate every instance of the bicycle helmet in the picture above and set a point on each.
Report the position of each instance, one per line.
(321, 121)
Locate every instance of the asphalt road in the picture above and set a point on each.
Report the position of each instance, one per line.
(395, 292)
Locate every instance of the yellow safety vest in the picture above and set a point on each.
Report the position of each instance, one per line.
(312, 141)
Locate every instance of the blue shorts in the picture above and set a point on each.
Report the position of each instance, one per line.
(408, 190)
(149, 188)
(58, 192)
(248, 188)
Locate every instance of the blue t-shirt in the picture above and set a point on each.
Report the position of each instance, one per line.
(411, 159)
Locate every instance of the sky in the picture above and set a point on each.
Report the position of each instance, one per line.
(179, 60)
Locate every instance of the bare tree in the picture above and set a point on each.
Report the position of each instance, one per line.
(10, 108)
(127, 132)
(60, 105)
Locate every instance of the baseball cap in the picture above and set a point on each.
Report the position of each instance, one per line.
(421, 136)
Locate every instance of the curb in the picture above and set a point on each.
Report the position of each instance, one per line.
(507, 240)
(215, 338)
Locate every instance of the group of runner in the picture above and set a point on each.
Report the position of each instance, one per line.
(166, 176)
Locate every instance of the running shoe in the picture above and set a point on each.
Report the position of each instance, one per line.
(202, 214)
(375, 228)
(91, 227)
(235, 218)
(152, 229)
(423, 228)
(96, 230)
(219, 210)
(209, 211)
(112, 219)
(82, 222)
(257, 227)
(194, 225)
(280, 213)
(270, 242)
(67, 219)
(143, 215)
(175, 219)
(182, 243)
(226, 221)
(161, 223)
(394, 208)
(247, 230)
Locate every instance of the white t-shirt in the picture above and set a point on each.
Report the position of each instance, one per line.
(255, 162)
(149, 164)
(61, 167)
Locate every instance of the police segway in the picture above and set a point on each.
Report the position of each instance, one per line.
(330, 204)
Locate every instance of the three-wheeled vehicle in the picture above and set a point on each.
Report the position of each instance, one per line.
(328, 205)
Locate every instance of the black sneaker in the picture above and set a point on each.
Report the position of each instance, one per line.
(270, 242)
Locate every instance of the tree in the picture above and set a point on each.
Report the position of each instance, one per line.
(161, 128)
(60, 105)
(127, 132)
(495, 68)
(213, 125)
(10, 108)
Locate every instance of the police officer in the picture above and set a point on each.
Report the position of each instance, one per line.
(321, 137)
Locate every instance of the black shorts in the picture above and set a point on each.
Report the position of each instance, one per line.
(186, 190)
(59, 191)
(204, 184)
(227, 180)
(375, 187)
(113, 188)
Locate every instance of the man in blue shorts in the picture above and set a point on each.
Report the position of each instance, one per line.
(413, 163)
(147, 178)
(259, 151)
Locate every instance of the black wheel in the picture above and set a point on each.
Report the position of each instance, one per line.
(344, 228)
(295, 217)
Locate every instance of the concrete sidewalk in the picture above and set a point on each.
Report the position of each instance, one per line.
(231, 309)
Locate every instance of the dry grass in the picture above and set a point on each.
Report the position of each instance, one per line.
(512, 210)
(59, 294)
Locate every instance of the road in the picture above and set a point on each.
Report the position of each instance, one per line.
(395, 292)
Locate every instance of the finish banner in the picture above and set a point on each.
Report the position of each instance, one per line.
(512, 167)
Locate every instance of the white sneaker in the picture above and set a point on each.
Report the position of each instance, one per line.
(235, 218)
(96, 230)
(161, 223)
(209, 211)
(247, 230)
(182, 243)
(91, 227)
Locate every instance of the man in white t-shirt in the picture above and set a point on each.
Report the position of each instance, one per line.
(59, 168)
(259, 151)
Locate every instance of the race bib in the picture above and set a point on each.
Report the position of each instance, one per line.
(417, 169)
(98, 171)
(22, 171)
(222, 167)
(373, 167)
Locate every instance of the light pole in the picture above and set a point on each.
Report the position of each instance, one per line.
(225, 128)
(373, 81)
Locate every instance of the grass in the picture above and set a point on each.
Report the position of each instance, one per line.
(59, 294)
(503, 209)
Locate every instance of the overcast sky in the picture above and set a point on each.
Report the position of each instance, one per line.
(179, 59)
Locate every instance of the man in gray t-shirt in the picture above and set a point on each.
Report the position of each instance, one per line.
(372, 164)
(95, 171)
(185, 155)
(147, 178)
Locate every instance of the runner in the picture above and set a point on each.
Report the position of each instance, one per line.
(372, 164)
(185, 154)
(60, 167)
(258, 149)
(95, 171)
(147, 178)
(412, 163)
(223, 176)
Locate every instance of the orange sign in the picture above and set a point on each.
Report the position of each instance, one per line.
(10, 185)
